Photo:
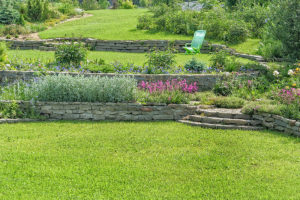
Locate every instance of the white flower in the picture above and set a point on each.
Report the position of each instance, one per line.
(227, 73)
(290, 72)
(275, 73)
(7, 65)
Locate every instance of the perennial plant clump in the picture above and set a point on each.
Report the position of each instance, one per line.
(289, 96)
(172, 85)
(66, 88)
(173, 91)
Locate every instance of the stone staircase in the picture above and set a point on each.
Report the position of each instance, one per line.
(220, 118)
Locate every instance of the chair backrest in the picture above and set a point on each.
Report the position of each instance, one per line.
(198, 39)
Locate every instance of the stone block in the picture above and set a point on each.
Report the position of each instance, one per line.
(163, 117)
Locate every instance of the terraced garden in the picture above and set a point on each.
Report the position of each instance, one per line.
(99, 101)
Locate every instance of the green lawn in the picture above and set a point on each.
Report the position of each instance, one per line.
(153, 160)
(119, 24)
(109, 57)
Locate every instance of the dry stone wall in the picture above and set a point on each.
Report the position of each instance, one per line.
(137, 112)
(131, 46)
(110, 111)
(205, 81)
(278, 123)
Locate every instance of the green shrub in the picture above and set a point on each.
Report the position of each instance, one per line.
(219, 60)
(104, 4)
(232, 65)
(160, 60)
(265, 106)
(144, 3)
(144, 22)
(8, 14)
(3, 52)
(99, 66)
(66, 7)
(228, 102)
(271, 49)
(66, 88)
(255, 16)
(10, 110)
(194, 65)
(284, 25)
(126, 4)
(21, 20)
(73, 53)
(291, 111)
(237, 32)
(15, 30)
(34, 10)
(90, 5)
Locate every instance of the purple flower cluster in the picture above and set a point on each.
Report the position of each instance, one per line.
(289, 95)
(172, 85)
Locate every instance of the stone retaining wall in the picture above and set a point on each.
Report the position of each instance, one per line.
(278, 123)
(131, 46)
(205, 81)
(110, 111)
(138, 112)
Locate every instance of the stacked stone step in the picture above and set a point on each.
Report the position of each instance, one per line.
(222, 119)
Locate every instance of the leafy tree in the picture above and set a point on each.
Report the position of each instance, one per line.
(284, 26)
(8, 14)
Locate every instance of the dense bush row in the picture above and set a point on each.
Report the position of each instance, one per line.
(232, 27)
(277, 23)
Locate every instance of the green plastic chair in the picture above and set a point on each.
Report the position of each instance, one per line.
(195, 46)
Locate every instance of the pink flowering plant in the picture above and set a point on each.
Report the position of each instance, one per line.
(289, 96)
(171, 91)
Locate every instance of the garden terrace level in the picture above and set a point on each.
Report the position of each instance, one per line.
(205, 82)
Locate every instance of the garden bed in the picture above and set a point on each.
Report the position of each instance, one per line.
(204, 81)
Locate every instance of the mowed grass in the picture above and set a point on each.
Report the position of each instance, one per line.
(110, 57)
(145, 160)
(119, 24)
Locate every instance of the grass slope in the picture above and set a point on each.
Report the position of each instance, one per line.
(154, 160)
(109, 57)
(119, 24)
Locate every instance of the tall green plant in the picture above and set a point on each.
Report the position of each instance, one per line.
(37, 10)
(68, 54)
(3, 51)
(284, 26)
(8, 14)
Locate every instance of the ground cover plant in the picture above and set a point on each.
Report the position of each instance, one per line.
(117, 160)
